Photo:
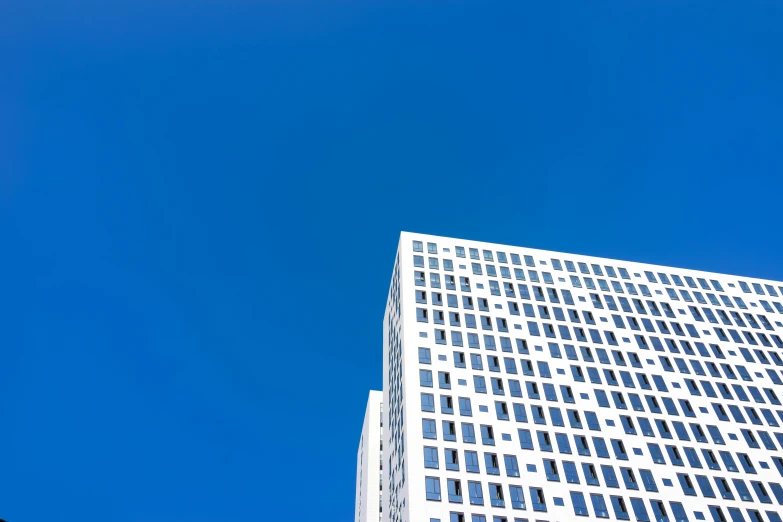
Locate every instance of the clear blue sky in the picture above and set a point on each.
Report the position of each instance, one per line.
(200, 204)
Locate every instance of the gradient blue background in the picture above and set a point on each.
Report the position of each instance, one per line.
(200, 204)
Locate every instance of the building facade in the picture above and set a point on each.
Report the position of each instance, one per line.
(527, 385)
(368, 462)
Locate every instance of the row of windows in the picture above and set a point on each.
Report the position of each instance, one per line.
(725, 490)
(395, 464)
(690, 384)
(759, 290)
(527, 368)
(496, 497)
(487, 433)
(539, 294)
(667, 429)
(551, 469)
(483, 303)
(599, 447)
(696, 367)
(495, 494)
(619, 358)
(549, 390)
(591, 422)
(598, 271)
(605, 337)
(633, 323)
(616, 286)
(620, 402)
(640, 512)
(726, 318)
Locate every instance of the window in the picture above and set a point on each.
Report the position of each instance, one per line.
(525, 439)
(517, 497)
(618, 505)
(578, 501)
(512, 466)
(468, 433)
(464, 407)
(446, 404)
(686, 484)
(679, 512)
(455, 490)
(487, 435)
(569, 470)
(639, 511)
(629, 479)
(659, 510)
(537, 499)
(496, 495)
(724, 488)
(599, 505)
(475, 493)
(550, 468)
(544, 441)
(430, 457)
(591, 476)
(449, 431)
(705, 487)
(619, 449)
(610, 479)
(648, 480)
(491, 464)
(742, 490)
(433, 488)
(471, 462)
(429, 429)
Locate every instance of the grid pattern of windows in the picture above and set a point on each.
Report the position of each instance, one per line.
(561, 386)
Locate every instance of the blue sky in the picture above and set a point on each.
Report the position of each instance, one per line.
(200, 204)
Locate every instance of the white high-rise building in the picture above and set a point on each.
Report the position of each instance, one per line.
(368, 462)
(527, 385)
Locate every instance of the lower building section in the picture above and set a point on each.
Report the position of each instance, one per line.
(369, 462)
